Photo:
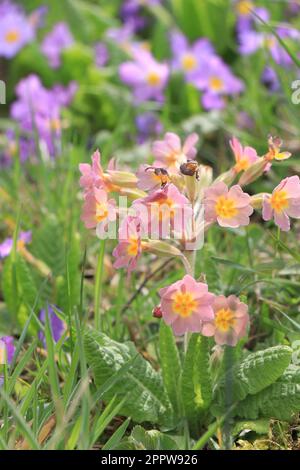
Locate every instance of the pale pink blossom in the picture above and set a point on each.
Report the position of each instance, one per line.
(93, 176)
(164, 210)
(283, 203)
(170, 153)
(151, 178)
(98, 210)
(186, 304)
(129, 248)
(229, 207)
(230, 320)
(244, 156)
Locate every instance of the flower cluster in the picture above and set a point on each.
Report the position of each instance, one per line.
(39, 110)
(174, 200)
(199, 63)
(252, 37)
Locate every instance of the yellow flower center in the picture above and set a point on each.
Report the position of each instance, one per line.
(55, 125)
(153, 79)
(270, 42)
(279, 201)
(165, 209)
(216, 84)
(101, 212)
(184, 304)
(242, 164)
(243, 7)
(224, 320)
(12, 36)
(189, 62)
(133, 247)
(225, 207)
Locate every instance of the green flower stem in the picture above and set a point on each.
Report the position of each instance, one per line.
(212, 430)
(98, 285)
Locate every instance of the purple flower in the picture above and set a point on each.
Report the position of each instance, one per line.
(59, 39)
(131, 12)
(7, 245)
(123, 36)
(216, 81)
(37, 17)
(58, 326)
(189, 58)
(38, 108)
(148, 125)
(251, 40)
(145, 76)
(7, 350)
(101, 54)
(270, 79)
(15, 31)
(245, 17)
(64, 95)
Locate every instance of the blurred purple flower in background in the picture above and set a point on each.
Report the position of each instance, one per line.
(131, 13)
(38, 108)
(270, 79)
(59, 39)
(148, 126)
(216, 81)
(101, 54)
(189, 58)
(251, 39)
(147, 77)
(37, 17)
(16, 30)
(58, 326)
(7, 245)
(7, 349)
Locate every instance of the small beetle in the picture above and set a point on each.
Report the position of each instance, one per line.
(190, 168)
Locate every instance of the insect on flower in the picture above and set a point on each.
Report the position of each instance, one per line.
(161, 174)
(190, 168)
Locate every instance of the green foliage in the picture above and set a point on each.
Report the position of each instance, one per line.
(48, 245)
(256, 372)
(141, 439)
(146, 398)
(170, 364)
(196, 386)
(279, 401)
(19, 289)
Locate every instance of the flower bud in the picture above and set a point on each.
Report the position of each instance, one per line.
(257, 200)
(122, 178)
(253, 172)
(157, 312)
(228, 177)
(161, 248)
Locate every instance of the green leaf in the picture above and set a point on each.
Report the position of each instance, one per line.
(196, 386)
(48, 246)
(260, 426)
(142, 439)
(141, 384)
(8, 289)
(170, 364)
(27, 290)
(279, 401)
(256, 372)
